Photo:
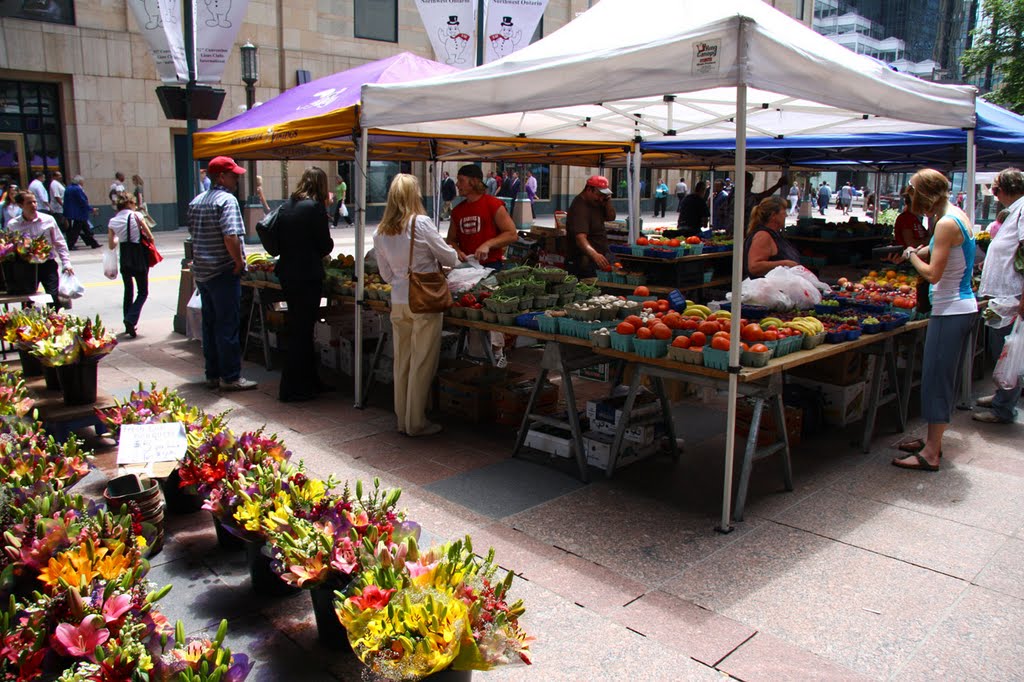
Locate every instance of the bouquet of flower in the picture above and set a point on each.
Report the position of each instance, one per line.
(7, 248)
(263, 496)
(322, 545)
(24, 327)
(57, 350)
(35, 251)
(27, 457)
(414, 614)
(200, 660)
(215, 456)
(94, 341)
(158, 406)
(14, 400)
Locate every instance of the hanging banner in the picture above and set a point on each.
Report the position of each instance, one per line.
(451, 26)
(510, 25)
(173, 18)
(149, 16)
(217, 23)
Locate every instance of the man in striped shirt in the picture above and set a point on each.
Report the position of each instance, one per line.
(218, 259)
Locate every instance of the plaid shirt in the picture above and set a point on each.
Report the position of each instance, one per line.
(213, 215)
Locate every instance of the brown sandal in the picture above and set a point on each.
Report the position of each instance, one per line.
(920, 465)
(911, 446)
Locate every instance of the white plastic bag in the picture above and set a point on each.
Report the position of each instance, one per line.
(344, 211)
(762, 292)
(810, 277)
(69, 286)
(194, 317)
(110, 263)
(797, 288)
(1011, 361)
(461, 280)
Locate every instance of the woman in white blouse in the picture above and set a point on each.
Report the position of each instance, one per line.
(128, 226)
(417, 336)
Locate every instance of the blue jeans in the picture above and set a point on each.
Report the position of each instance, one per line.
(1004, 404)
(132, 304)
(222, 299)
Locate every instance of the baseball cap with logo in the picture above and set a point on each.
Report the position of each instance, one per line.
(600, 183)
(223, 164)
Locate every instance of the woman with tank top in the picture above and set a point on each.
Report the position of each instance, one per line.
(765, 248)
(947, 263)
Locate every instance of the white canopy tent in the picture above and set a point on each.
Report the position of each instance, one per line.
(634, 70)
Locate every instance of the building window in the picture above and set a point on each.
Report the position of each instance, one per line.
(541, 171)
(378, 180)
(52, 11)
(619, 183)
(30, 113)
(377, 20)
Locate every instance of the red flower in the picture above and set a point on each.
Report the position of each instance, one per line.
(372, 598)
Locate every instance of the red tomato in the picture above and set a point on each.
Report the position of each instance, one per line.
(719, 335)
(720, 343)
(642, 241)
(635, 321)
(663, 305)
(771, 335)
(661, 331)
(643, 333)
(759, 348)
(673, 242)
(626, 329)
(752, 332)
(641, 291)
(698, 339)
(708, 328)
(650, 305)
(681, 342)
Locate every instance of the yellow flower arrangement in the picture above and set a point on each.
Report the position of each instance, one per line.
(79, 566)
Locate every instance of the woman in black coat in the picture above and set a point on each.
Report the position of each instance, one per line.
(304, 238)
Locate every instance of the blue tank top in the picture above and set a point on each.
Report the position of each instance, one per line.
(952, 294)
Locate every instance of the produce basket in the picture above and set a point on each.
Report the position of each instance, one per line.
(792, 343)
(641, 299)
(566, 326)
(687, 355)
(512, 274)
(852, 334)
(490, 316)
(694, 249)
(507, 306)
(509, 290)
(637, 250)
(622, 342)
(458, 311)
(603, 276)
(507, 319)
(835, 337)
(567, 297)
(525, 302)
(529, 320)
(475, 314)
(547, 324)
(752, 359)
(600, 340)
(619, 277)
(535, 288)
(810, 342)
(716, 359)
(650, 348)
(553, 275)
(871, 328)
(545, 300)
(636, 278)
(563, 288)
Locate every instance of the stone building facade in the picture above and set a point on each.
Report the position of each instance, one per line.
(77, 89)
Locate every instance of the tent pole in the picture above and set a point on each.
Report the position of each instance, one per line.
(635, 208)
(878, 195)
(629, 198)
(360, 206)
(437, 193)
(970, 179)
(738, 220)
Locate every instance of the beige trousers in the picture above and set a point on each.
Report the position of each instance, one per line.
(417, 339)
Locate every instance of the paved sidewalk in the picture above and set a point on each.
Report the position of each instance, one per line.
(864, 572)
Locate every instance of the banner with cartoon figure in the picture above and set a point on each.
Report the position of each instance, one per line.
(451, 26)
(510, 25)
(149, 14)
(217, 23)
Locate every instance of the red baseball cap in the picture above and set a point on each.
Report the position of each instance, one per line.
(223, 164)
(599, 182)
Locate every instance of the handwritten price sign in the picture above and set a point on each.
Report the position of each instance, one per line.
(148, 443)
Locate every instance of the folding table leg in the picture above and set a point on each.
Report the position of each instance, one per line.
(871, 413)
(780, 421)
(890, 364)
(620, 430)
(574, 419)
(374, 362)
(748, 459)
(525, 426)
(666, 415)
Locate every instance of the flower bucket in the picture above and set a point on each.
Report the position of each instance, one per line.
(21, 277)
(78, 381)
(145, 493)
(52, 378)
(449, 675)
(179, 500)
(329, 629)
(262, 577)
(226, 539)
(30, 365)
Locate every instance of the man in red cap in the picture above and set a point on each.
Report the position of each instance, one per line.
(218, 259)
(588, 240)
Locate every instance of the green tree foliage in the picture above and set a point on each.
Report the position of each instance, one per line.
(998, 53)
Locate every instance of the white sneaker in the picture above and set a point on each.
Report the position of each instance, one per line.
(239, 384)
(500, 361)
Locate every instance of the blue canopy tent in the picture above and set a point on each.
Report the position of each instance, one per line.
(999, 141)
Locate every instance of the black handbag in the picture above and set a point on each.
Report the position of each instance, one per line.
(134, 255)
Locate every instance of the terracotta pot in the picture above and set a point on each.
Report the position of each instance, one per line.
(145, 493)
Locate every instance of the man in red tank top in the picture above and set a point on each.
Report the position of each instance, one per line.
(480, 226)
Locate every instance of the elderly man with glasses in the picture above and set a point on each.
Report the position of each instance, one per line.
(1003, 283)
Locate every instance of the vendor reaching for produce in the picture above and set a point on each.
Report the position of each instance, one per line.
(765, 248)
(909, 230)
(588, 239)
(481, 225)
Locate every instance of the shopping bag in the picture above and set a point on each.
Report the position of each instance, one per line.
(194, 317)
(69, 286)
(344, 211)
(1011, 361)
(110, 263)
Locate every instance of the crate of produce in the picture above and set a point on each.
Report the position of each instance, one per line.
(811, 342)
(547, 324)
(793, 343)
(567, 298)
(636, 278)
(490, 316)
(650, 348)
(511, 401)
(716, 359)
(535, 288)
(637, 250)
(687, 355)
(601, 338)
(870, 327)
(525, 302)
(475, 314)
(835, 337)
(566, 326)
(619, 277)
(603, 276)
(694, 249)
(641, 299)
(458, 312)
(529, 320)
(622, 342)
(468, 393)
(507, 319)
(551, 275)
(751, 359)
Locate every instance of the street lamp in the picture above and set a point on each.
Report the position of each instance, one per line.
(250, 74)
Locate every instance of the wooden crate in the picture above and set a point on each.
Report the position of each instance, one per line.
(469, 393)
(510, 401)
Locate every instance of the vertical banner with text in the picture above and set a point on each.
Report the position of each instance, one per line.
(510, 25)
(174, 25)
(451, 27)
(217, 23)
(151, 23)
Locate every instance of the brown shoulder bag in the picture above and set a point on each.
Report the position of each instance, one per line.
(428, 291)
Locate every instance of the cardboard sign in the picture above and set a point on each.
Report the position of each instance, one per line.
(148, 443)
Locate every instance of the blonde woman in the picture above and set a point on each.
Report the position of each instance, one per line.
(417, 336)
(765, 248)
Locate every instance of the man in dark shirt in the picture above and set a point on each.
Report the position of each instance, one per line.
(588, 241)
(448, 192)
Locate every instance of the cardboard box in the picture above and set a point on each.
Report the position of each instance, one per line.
(609, 409)
(343, 323)
(768, 434)
(469, 393)
(840, 370)
(598, 448)
(510, 401)
(601, 372)
(547, 440)
(843, 405)
(449, 345)
(641, 435)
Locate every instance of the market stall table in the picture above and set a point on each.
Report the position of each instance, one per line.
(61, 420)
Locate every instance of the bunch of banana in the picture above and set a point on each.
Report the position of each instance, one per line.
(701, 311)
(809, 326)
(258, 258)
(771, 323)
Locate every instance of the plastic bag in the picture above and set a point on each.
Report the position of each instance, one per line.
(1011, 361)
(461, 280)
(762, 292)
(69, 286)
(1001, 311)
(110, 263)
(194, 317)
(795, 286)
(809, 276)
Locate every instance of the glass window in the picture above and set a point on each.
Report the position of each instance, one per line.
(52, 11)
(619, 183)
(377, 20)
(379, 179)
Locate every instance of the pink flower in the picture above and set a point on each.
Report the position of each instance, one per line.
(359, 521)
(81, 641)
(116, 607)
(344, 556)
